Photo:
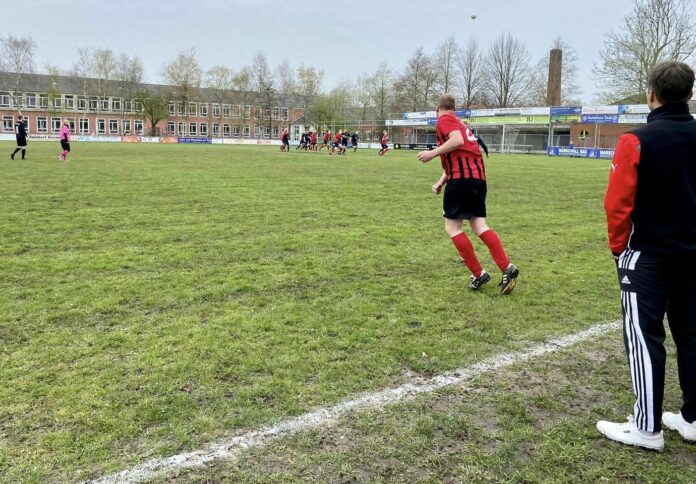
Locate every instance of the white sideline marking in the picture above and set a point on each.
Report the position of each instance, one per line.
(231, 447)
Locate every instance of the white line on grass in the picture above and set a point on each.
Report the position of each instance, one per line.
(323, 417)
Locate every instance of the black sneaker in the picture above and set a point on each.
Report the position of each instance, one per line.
(509, 279)
(12, 156)
(478, 282)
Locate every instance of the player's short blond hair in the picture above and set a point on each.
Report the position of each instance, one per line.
(447, 102)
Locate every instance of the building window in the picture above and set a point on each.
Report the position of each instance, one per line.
(216, 110)
(93, 104)
(257, 132)
(284, 113)
(193, 109)
(182, 129)
(216, 129)
(139, 107)
(27, 123)
(226, 130)
(84, 126)
(204, 110)
(171, 128)
(42, 125)
(116, 104)
(55, 125)
(128, 106)
(171, 109)
(43, 101)
(247, 112)
(101, 126)
(105, 103)
(180, 109)
(267, 132)
(276, 113)
(71, 124)
(31, 100)
(226, 110)
(4, 100)
(236, 131)
(247, 131)
(113, 126)
(276, 133)
(204, 129)
(69, 102)
(8, 124)
(193, 129)
(82, 103)
(126, 126)
(57, 102)
(237, 112)
(139, 126)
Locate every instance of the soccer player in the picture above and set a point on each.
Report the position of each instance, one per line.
(385, 143)
(354, 140)
(314, 140)
(65, 141)
(651, 218)
(344, 141)
(325, 140)
(465, 195)
(337, 143)
(20, 128)
(482, 145)
(285, 140)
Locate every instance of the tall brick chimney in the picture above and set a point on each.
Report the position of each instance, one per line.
(553, 93)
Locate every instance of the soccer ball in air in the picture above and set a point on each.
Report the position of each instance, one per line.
(473, 16)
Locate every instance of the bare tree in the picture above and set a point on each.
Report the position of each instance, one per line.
(220, 80)
(539, 79)
(446, 64)
(363, 95)
(129, 72)
(17, 57)
(185, 75)
(155, 107)
(265, 86)
(655, 31)
(104, 65)
(472, 73)
(381, 87)
(285, 75)
(507, 71)
(415, 85)
(82, 72)
(309, 83)
(242, 85)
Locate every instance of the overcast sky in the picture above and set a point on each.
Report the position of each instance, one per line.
(342, 38)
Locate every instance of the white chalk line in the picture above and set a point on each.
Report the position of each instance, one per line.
(323, 417)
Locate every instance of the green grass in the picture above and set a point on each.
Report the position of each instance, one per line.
(156, 298)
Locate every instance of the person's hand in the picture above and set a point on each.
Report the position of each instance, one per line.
(426, 156)
(437, 188)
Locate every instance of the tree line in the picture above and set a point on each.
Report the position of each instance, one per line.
(502, 74)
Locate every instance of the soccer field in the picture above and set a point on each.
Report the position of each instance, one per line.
(156, 298)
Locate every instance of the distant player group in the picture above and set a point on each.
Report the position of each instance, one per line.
(338, 145)
(20, 129)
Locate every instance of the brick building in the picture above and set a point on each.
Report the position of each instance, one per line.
(97, 108)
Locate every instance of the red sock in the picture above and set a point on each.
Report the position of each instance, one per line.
(466, 250)
(494, 244)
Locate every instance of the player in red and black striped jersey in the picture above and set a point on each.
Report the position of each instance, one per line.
(384, 141)
(464, 179)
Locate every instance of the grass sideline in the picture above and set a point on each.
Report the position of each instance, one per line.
(156, 298)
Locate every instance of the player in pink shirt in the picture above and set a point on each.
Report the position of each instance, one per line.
(64, 141)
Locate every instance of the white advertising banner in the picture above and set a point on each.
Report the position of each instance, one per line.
(600, 109)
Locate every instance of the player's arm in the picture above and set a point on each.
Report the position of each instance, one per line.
(454, 141)
(620, 199)
(482, 145)
(440, 183)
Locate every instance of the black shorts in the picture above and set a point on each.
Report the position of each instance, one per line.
(21, 141)
(465, 198)
(286, 142)
(385, 146)
(65, 145)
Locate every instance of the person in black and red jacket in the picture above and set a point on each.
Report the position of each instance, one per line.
(651, 216)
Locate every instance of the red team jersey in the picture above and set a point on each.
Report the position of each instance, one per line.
(385, 139)
(466, 161)
(327, 135)
(338, 137)
(314, 137)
